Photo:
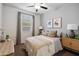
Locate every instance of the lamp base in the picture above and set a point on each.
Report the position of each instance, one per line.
(40, 31)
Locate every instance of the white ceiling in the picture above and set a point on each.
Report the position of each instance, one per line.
(23, 6)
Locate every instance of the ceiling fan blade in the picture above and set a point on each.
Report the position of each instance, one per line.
(31, 6)
(43, 7)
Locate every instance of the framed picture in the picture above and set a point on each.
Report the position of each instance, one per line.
(49, 24)
(57, 22)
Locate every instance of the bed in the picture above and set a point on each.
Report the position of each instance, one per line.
(42, 45)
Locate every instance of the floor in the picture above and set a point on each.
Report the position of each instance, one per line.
(20, 51)
(66, 53)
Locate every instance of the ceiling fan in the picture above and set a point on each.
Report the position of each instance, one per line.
(37, 6)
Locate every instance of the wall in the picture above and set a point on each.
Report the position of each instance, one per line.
(0, 15)
(37, 24)
(69, 14)
(10, 20)
(0, 18)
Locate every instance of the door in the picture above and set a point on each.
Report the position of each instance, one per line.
(26, 26)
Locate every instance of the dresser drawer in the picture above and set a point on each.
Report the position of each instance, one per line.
(71, 43)
(75, 45)
(67, 42)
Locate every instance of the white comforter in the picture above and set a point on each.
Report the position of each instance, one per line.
(42, 45)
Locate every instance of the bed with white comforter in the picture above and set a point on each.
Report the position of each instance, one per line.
(42, 45)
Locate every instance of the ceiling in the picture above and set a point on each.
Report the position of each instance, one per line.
(50, 6)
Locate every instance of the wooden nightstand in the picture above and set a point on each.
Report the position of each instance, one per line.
(6, 48)
(71, 43)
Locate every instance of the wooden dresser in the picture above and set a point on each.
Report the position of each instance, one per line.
(71, 43)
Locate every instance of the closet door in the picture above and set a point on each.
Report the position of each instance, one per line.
(26, 26)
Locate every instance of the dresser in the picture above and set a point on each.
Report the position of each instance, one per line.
(70, 43)
(6, 48)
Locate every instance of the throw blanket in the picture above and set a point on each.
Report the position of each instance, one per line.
(42, 45)
(38, 41)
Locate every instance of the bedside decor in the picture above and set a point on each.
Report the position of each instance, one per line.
(72, 28)
(57, 22)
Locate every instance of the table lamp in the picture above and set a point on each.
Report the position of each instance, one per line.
(40, 29)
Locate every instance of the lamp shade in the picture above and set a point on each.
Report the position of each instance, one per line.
(72, 27)
(40, 27)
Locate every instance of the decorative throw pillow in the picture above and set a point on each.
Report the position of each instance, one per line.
(52, 34)
(44, 33)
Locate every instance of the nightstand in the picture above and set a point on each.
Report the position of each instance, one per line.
(6, 48)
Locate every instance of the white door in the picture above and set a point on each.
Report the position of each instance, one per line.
(26, 26)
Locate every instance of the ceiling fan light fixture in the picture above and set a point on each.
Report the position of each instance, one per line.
(37, 7)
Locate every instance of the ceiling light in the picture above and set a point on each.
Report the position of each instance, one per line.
(37, 7)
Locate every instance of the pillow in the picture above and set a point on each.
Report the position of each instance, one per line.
(52, 34)
(44, 33)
